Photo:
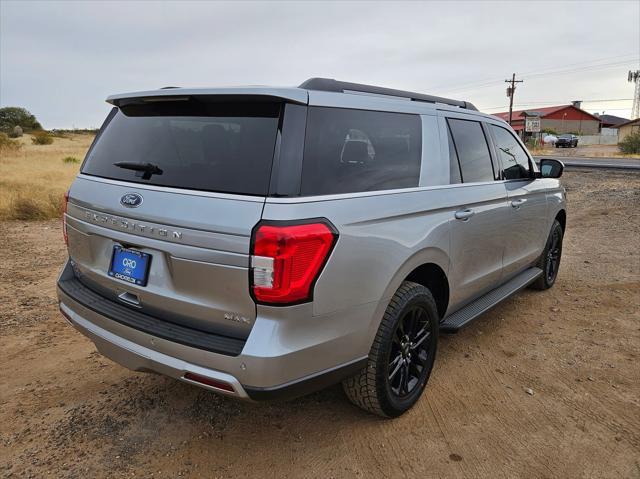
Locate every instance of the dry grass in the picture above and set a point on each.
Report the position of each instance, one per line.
(41, 138)
(34, 178)
(8, 145)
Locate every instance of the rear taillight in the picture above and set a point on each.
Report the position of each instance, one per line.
(64, 217)
(288, 258)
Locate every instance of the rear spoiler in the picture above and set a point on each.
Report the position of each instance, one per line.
(294, 95)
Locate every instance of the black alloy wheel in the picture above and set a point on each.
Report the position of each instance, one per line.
(549, 261)
(402, 355)
(554, 252)
(409, 352)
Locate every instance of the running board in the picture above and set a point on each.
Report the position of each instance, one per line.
(454, 322)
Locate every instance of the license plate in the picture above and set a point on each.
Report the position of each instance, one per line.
(130, 265)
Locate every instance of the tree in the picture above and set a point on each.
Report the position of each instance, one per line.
(12, 116)
(631, 143)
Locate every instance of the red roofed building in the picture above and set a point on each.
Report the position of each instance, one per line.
(563, 119)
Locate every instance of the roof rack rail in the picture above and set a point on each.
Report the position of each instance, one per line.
(329, 84)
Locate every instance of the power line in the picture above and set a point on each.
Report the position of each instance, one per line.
(531, 76)
(526, 76)
(533, 107)
(504, 107)
(557, 102)
(490, 81)
(584, 63)
(604, 66)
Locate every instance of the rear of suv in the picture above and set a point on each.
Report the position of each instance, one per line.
(265, 243)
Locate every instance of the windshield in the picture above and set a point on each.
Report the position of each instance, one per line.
(190, 143)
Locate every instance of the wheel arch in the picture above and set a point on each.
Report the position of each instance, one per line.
(428, 267)
(432, 277)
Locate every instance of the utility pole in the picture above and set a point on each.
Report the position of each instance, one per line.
(634, 77)
(510, 92)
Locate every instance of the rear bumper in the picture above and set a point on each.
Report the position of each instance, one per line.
(279, 360)
(139, 358)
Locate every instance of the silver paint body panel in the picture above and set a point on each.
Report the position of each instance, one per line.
(200, 243)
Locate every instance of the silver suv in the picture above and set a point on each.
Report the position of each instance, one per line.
(264, 243)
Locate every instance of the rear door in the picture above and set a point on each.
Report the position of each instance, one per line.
(480, 219)
(527, 233)
(182, 181)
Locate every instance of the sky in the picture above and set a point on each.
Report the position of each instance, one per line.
(61, 59)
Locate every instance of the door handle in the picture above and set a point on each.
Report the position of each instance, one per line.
(518, 203)
(464, 215)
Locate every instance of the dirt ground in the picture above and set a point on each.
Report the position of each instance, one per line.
(595, 151)
(65, 411)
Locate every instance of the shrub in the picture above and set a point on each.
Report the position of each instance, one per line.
(70, 159)
(58, 134)
(532, 143)
(12, 116)
(44, 208)
(630, 144)
(76, 131)
(42, 138)
(549, 131)
(27, 209)
(7, 144)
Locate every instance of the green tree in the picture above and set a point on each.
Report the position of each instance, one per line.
(12, 116)
(631, 143)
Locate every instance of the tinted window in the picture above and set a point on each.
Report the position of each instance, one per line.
(224, 147)
(454, 166)
(515, 162)
(348, 151)
(473, 151)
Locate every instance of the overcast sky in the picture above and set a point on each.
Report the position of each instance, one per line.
(61, 59)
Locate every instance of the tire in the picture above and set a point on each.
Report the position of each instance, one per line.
(398, 369)
(549, 261)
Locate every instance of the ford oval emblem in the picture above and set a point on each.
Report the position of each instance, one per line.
(131, 200)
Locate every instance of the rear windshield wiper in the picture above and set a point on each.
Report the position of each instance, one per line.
(144, 170)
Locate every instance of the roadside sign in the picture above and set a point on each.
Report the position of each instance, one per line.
(532, 124)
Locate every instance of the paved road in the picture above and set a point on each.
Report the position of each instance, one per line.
(581, 162)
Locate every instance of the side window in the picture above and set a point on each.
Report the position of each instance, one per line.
(514, 160)
(473, 151)
(454, 166)
(350, 151)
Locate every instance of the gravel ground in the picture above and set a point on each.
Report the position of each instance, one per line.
(545, 385)
(595, 151)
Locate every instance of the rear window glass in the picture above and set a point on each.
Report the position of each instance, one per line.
(349, 151)
(194, 144)
(473, 150)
